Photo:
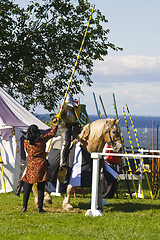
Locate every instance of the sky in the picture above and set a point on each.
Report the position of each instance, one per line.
(133, 74)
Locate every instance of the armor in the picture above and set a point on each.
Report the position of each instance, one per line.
(69, 103)
(68, 116)
(69, 128)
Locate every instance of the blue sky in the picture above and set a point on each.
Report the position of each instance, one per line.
(133, 75)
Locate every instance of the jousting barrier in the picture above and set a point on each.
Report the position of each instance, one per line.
(94, 212)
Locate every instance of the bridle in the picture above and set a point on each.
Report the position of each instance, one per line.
(112, 140)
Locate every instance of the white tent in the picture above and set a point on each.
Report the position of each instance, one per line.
(13, 119)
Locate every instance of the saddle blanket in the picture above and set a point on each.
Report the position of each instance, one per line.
(81, 174)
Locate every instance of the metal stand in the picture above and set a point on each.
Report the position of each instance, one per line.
(94, 212)
(141, 175)
(57, 192)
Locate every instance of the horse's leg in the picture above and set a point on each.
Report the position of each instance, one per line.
(66, 202)
(47, 197)
(35, 192)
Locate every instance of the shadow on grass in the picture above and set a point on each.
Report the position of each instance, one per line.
(81, 205)
(131, 207)
(121, 207)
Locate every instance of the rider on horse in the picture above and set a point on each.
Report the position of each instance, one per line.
(69, 128)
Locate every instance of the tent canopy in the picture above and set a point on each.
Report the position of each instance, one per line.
(12, 114)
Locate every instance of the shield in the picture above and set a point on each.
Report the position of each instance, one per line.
(81, 114)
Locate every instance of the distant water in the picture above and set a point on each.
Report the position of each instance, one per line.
(144, 130)
(143, 126)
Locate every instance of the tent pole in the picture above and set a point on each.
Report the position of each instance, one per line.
(1, 162)
(18, 150)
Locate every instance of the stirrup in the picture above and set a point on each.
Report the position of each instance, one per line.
(62, 166)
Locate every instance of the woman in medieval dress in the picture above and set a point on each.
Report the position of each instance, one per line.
(37, 165)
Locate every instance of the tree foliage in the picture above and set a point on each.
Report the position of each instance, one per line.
(39, 47)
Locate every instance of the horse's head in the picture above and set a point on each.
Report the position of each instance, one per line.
(112, 134)
(94, 135)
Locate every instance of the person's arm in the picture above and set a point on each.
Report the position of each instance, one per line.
(52, 133)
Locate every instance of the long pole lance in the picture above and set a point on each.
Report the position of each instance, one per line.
(107, 117)
(138, 145)
(131, 144)
(129, 166)
(115, 106)
(73, 72)
(124, 163)
(153, 154)
(156, 172)
(103, 106)
(95, 101)
(76, 63)
(158, 167)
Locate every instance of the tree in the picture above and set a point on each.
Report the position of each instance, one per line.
(39, 46)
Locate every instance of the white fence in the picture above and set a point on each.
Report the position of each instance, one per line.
(95, 174)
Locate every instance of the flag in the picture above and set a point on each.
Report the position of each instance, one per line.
(81, 114)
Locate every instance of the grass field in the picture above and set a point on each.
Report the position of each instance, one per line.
(122, 218)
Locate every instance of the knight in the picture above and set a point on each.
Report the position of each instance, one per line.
(69, 128)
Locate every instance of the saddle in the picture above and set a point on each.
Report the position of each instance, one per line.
(82, 137)
(57, 143)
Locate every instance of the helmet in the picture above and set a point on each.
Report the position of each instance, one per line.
(69, 103)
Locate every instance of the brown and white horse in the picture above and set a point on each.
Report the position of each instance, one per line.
(92, 138)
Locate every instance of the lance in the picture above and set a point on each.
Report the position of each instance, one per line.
(158, 168)
(58, 116)
(119, 186)
(156, 171)
(131, 144)
(124, 162)
(129, 166)
(115, 106)
(138, 145)
(103, 106)
(118, 180)
(153, 154)
(95, 101)
(76, 63)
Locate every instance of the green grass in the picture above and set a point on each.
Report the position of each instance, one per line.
(121, 219)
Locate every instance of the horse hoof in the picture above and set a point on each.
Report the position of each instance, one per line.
(68, 207)
(47, 198)
(48, 202)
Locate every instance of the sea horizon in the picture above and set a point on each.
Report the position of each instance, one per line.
(139, 121)
(143, 126)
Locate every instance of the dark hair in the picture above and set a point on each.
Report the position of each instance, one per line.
(33, 134)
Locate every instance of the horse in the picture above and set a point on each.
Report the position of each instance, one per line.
(92, 138)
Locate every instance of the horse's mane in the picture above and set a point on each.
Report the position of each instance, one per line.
(94, 129)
